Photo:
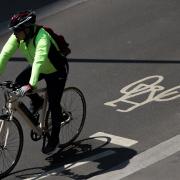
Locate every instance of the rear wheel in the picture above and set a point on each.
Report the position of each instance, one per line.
(11, 144)
(74, 111)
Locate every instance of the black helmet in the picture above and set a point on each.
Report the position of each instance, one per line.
(22, 19)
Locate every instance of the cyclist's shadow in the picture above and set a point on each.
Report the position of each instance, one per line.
(65, 161)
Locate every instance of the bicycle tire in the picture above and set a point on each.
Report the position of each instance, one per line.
(19, 149)
(66, 141)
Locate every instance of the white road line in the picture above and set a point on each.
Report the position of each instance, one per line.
(121, 141)
(72, 165)
(143, 160)
(57, 7)
(89, 159)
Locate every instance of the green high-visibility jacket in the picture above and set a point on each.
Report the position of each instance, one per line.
(36, 55)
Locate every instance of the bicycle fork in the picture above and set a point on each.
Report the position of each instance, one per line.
(4, 132)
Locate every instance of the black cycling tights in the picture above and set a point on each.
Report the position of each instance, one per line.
(55, 86)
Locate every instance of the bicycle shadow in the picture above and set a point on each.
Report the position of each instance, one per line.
(78, 155)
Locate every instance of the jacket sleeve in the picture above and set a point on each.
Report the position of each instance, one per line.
(7, 52)
(41, 54)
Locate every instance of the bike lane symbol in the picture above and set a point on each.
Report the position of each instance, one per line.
(143, 91)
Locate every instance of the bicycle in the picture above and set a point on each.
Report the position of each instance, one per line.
(11, 132)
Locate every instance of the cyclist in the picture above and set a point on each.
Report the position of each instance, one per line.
(45, 62)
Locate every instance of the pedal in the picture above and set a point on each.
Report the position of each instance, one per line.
(35, 136)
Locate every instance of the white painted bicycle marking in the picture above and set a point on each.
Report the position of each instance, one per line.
(149, 87)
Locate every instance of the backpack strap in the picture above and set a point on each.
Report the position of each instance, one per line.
(38, 27)
(48, 30)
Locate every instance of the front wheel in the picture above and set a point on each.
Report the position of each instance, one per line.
(11, 144)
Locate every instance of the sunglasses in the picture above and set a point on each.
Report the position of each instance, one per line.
(17, 30)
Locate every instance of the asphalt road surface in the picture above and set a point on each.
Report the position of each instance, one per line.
(125, 59)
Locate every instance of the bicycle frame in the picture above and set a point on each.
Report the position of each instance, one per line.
(16, 105)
